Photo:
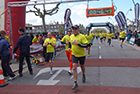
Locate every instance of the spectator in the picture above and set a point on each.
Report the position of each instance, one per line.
(5, 57)
(24, 43)
(32, 36)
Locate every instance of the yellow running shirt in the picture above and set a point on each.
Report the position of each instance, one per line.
(50, 48)
(101, 35)
(122, 34)
(78, 51)
(66, 38)
(109, 36)
(35, 39)
(89, 38)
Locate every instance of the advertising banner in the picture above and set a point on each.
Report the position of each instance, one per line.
(67, 19)
(119, 22)
(17, 18)
(137, 15)
(123, 20)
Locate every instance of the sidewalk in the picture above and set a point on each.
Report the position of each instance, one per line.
(15, 63)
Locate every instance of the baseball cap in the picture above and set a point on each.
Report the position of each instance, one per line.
(75, 26)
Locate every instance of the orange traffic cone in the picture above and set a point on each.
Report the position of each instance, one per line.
(41, 61)
(2, 81)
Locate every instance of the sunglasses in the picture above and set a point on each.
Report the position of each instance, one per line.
(75, 28)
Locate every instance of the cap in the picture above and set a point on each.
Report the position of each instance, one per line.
(75, 26)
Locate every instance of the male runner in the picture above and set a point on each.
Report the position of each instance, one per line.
(122, 37)
(89, 37)
(109, 35)
(78, 43)
(50, 44)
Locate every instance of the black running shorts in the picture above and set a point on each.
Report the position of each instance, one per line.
(81, 60)
(48, 57)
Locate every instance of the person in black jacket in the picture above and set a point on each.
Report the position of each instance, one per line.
(24, 43)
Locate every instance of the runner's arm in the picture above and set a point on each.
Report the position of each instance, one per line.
(83, 45)
(63, 42)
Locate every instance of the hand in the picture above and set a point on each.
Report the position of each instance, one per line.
(67, 42)
(68, 49)
(74, 42)
(48, 43)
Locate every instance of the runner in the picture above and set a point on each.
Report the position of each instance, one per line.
(89, 38)
(101, 37)
(35, 39)
(65, 40)
(104, 34)
(109, 35)
(78, 43)
(122, 37)
(50, 44)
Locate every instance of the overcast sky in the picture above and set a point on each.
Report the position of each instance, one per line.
(78, 12)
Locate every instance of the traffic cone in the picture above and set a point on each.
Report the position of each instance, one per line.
(41, 61)
(2, 81)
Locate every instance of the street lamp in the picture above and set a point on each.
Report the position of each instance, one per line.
(111, 19)
(131, 22)
(128, 11)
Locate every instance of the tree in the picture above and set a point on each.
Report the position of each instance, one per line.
(82, 28)
(50, 12)
(61, 30)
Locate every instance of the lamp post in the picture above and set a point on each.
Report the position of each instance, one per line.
(131, 22)
(111, 19)
(133, 2)
(128, 11)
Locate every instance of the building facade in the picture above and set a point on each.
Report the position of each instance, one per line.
(54, 28)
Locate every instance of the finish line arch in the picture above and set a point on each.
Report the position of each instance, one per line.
(111, 26)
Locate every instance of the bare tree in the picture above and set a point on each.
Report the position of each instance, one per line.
(50, 12)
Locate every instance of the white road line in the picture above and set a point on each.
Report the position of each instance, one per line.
(100, 56)
(99, 47)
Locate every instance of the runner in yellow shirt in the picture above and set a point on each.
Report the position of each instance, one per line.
(35, 39)
(89, 38)
(104, 34)
(101, 37)
(109, 36)
(78, 43)
(50, 44)
(65, 40)
(122, 37)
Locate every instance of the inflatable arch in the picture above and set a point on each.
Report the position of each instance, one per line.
(100, 25)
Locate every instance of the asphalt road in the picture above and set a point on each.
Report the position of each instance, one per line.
(95, 75)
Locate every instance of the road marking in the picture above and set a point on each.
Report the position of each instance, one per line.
(100, 56)
(51, 80)
(99, 47)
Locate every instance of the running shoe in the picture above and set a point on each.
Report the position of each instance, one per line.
(11, 78)
(51, 72)
(121, 46)
(83, 78)
(70, 72)
(75, 86)
(31, 72)
(88, 55)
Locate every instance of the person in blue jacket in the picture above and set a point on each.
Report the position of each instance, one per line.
(5, 57)
(24, 43)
